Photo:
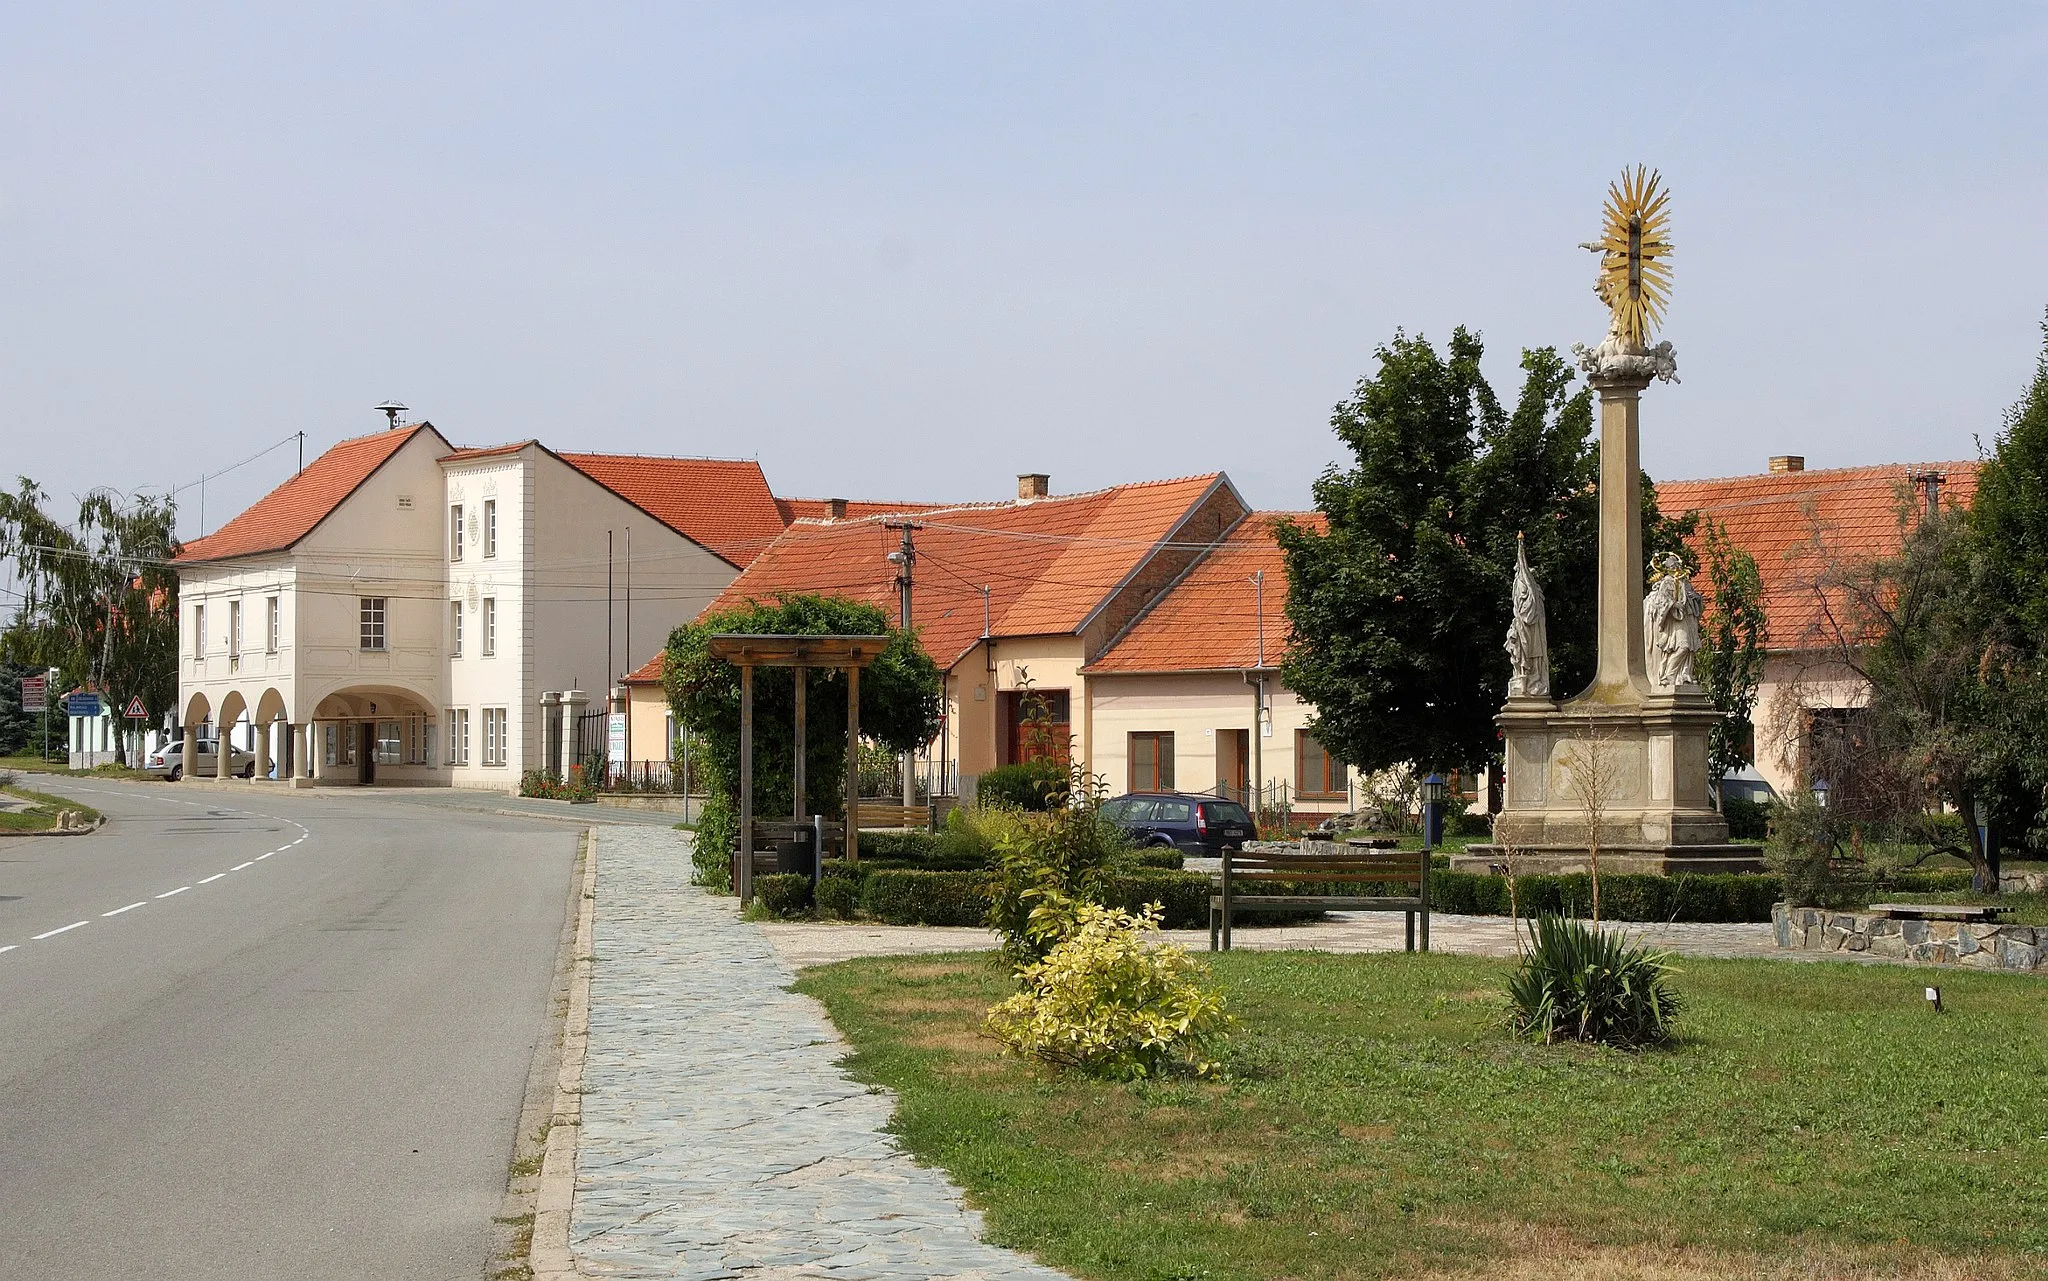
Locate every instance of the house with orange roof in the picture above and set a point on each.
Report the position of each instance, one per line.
(407, 611)
(1800, 525)
(1149, 617)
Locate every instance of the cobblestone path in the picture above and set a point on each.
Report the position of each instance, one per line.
(719, 1139)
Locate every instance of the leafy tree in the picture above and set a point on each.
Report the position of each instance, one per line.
(20, 731)
(899, 708)
(1731, 658)
(1398, 608)
(99, 600)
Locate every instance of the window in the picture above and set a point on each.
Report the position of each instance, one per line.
(199, 631)
(1152, 762)
(1035, 723)
(490, 626)
(1317, 773)
(388, 749)
(273, 624)
(495, 746)
(458, 736)
(455, 531)
(455, 629)
(419, 739)
(373, 622)
(234, 629)
(490, 527)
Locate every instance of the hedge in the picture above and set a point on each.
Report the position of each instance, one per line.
(905, 896)
(913, 846)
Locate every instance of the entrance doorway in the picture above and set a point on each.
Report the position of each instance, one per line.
(1233, 763)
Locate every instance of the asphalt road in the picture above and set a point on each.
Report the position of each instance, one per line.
(269, 1035)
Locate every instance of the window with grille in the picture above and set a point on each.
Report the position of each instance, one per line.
(273, 623)
(490, 626)
(373, 621)
(490, 527)
(1152, 762)
(455, 531)
(1317, 773)
(455, 629)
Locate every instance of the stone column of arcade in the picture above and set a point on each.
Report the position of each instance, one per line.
(189, 767)
(263, 733)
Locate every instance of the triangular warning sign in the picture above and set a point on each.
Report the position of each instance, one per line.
(136, 709)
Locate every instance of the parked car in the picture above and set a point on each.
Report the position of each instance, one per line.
(1195, 824)
(168, 761)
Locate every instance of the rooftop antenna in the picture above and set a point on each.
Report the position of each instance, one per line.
(391, 409)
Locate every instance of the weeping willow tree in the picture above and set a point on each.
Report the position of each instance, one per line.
(98, 600)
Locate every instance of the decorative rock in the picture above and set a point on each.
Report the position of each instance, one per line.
(1977, 945)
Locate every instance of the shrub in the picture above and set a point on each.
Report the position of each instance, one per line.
(1038, 786)
(1719, 897)
(1469, 824)
(1748, 820)
(786, 894)
(1160, 856)
(548, 785)
(1183, 897)
(908, 846)
(718, 835)
(1045, 864)
(908, 897)
(837, 896)
(1105, 1003)
(1581, 983)
(1801, 848)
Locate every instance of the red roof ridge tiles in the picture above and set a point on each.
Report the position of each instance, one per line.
(279, 519)
(1208, 620)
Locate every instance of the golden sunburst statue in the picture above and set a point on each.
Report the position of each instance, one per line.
(1635, 280)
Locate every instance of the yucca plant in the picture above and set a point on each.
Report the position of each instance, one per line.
(1577, 982)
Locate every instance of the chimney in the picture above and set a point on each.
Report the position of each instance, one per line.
(1788, 462)
(835, 509)
(1033, 484)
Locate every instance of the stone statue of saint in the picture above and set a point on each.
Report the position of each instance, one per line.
(1671, 624)
(1528, 643)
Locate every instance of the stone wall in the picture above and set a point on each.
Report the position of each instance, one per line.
(1989, 947)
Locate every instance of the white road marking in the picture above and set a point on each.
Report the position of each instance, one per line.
(59, 930)
(239, 866)
(10, 947)
(211, 879)
(131, 907)
(180, 890)
(260, 857)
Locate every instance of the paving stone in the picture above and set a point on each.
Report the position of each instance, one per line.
(720, 1140)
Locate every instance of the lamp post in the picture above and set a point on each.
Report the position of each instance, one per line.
(1434, 790)
(1820, 792)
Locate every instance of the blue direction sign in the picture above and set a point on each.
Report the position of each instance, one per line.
(82, 705)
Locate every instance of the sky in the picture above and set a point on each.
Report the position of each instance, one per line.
(906, 251)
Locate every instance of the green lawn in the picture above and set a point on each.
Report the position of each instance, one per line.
(1375, 1121)
(42, 815)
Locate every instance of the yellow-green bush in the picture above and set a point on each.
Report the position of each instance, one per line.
(1105, 1002)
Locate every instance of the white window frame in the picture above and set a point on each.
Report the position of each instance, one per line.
(273, 623)
(490, 627)
(458, 736)
(497, 724)
(490, 528)
(373, 614)
(455, 629)
(235, 628)
(199, 630)
(455, 531)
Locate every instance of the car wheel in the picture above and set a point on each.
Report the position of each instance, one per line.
(251, 771)
(177, 772)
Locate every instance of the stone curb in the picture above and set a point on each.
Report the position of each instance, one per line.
(549, 1255)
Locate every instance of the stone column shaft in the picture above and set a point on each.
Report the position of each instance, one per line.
(1620, 673)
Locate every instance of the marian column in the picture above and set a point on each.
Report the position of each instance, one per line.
(1626, 759)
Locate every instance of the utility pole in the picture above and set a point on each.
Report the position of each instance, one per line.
(1258, 787)
(904, 559)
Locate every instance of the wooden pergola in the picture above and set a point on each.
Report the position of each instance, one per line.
(839, 653)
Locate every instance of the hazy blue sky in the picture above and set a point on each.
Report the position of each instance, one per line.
(910, 250)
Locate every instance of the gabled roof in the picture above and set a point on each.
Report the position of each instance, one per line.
(1210, 621)
(796, 509)
(294, 509)
(649, 672)
(1049, 563)
(1796, 524)
(723, 504)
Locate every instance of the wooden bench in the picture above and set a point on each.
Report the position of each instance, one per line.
(1973, 913)
(1358, 863)
(886, 814)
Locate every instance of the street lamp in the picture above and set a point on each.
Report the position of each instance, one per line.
(1434, 790)
(1820, 792)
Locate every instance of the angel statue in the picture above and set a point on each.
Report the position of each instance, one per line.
(1671, 624)
(1528, 644)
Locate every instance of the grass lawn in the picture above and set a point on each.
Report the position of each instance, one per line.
(41, 816)
(36, 765)
(1817, 1121)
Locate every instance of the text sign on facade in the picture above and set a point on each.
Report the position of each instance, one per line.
(615, 739)
(82, 705)
(35, 693)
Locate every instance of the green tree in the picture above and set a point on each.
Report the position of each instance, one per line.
(1399, 606)
(1731, 657)
(99, 600)
(899, 708)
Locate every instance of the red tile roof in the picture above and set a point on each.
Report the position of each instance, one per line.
(649, 672)
(1210, 620)
(1048, 563)
(795, 509)
(723, 504)
(1798, 523)
(292, 510)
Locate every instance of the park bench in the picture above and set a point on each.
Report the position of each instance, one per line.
(888, 814)
(1358, 862)
(1967, 912)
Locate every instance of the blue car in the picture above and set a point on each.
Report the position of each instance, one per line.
(1192, 824)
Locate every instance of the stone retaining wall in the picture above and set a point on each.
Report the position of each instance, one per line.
(1989, 947)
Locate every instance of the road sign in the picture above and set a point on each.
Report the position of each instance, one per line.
(82, 705)
(136, 711)
(35, 693)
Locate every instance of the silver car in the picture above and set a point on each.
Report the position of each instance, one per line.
(169, 762)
